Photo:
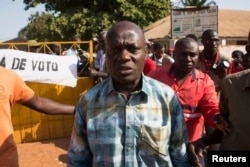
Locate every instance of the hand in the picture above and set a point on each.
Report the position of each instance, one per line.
(221, 71)
(93, 72)
(222, 124)
(195, 153)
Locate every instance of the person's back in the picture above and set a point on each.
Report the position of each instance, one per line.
(234, 105)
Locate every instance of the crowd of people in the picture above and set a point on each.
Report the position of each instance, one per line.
(201, 82)
(146, 109)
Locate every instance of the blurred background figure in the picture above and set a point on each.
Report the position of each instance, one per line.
(55, 49)
(99, 62)
(74, 49)
(193, 36)
(99, 72)
(168, 57)
(34, 46)
(158, 53)
(236, 64)
(149, 64)
(246, 61)
(246, 57)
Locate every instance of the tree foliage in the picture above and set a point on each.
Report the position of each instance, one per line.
(198, 3)
(66, 18)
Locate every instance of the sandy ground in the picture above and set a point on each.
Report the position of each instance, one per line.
(49, 153)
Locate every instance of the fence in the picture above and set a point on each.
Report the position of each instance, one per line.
(30, 126)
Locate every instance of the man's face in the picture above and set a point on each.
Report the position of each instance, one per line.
(186, 56)
(159, 52)
(237, 58)
(125, 55)
(34, 49)
(211, 42)
(57, 49)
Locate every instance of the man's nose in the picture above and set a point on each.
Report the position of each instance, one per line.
(125, 54)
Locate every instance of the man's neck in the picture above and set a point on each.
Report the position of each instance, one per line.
(210, 56)
(180, 76)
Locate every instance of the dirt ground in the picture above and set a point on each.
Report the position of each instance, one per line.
(48, 153)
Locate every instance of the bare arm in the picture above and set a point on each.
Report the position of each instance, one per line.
(47, 106)
(95, 73)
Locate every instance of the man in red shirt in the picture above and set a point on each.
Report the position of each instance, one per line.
(195, 89)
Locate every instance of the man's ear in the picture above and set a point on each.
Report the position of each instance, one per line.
(146, 49)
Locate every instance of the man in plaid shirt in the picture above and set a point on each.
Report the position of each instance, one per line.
(128, 119)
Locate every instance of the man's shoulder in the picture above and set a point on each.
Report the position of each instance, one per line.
(98, 89)
(244, 73)
(203, 76)
(151, 56)
(237, 80)
(7, 72)
(157, 86)
(149, 61)
(159, 72)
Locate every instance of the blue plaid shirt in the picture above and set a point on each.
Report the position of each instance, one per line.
(148, 129)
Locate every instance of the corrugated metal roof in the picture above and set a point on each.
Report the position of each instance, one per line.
(231, 24)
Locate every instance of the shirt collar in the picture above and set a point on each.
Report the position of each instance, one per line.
(214, 61)
(171, 72)
(112, 89)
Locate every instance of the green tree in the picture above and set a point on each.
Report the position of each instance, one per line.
(198, 3)
(66, 18)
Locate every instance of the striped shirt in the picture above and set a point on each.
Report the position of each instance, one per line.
(148, 129)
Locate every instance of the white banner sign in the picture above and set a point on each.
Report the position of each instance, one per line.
(42, 68)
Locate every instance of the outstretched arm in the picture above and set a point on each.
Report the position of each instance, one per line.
(48, 106)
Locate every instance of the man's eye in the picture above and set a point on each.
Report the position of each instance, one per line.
(193, 55)
(133, 49)
(114, 51)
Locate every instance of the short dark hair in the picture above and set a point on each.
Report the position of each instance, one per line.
(208, 33)
(193, 36)
(158, 45)
(237, 52)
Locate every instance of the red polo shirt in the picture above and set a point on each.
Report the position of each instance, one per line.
(149, 65)
(197, 95)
